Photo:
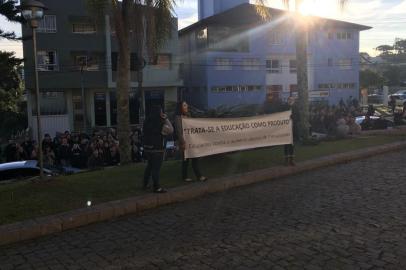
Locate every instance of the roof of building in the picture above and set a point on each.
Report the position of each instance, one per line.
(247, 14)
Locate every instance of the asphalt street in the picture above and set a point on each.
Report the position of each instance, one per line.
(351, 216)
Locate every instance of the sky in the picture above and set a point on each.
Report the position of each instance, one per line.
(387, 17)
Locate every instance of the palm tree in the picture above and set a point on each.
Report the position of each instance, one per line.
(9, 10)
(145, 24)
(301, 59)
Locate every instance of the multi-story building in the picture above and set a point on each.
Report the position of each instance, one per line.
(232, 56)
(75, 50)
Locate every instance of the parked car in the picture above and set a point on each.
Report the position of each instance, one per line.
(400, 97)
(375, 99)
(376, 122)
(20, 170)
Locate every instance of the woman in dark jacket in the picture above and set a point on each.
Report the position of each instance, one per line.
(155, 128)
(183, 112)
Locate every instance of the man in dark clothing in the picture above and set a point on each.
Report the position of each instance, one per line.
(155, 128)
(47, 141)
(64, 152)
(76, 159)
(10, 152)
(114, 156)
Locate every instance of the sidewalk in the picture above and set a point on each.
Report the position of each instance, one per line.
(35, 228)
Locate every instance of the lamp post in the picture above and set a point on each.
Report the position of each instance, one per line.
(83, 65)
(33, 12)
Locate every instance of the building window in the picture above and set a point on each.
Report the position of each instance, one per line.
(292, 66)
(223, 64)
(201, 39)
(276, 38)
(273, 66)
(250, 64)
(52, 103)
(163, 61)
(100, 112)
(330, 62)
(275, 91)
(294, 91)
(235, 88)
(114, 58)
(330, 35)
(227, 39)
(133, 61)
(344, 35)
(345, 85)
(47, 24)
(293, 88)
(83, 28)
(89, 63)
(47, 61)
(345, 64)
(134, 108)
(327, 86)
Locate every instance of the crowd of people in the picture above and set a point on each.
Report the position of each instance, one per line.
(74, 150)
(336, 120)
(102, 148)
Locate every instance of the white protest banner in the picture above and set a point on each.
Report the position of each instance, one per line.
(205, 137)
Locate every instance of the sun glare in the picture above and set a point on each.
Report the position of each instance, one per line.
(322, 8)
(307, 8)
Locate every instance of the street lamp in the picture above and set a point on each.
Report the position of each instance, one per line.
(33, 12)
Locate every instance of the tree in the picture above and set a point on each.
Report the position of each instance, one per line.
(400, 46)
(392, 75)
(9, 10)
(301, 35)
(144, 24)
(11, 117)
(385, 50)
(369, 78)
(10, 81)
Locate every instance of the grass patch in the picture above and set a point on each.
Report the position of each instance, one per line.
(25, 200)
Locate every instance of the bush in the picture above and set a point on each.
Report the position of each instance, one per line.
(11, 123)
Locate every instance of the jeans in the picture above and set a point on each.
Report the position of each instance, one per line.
(154, 164)
(195, 166)
(289, 150)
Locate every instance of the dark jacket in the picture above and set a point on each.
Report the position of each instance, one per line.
(153, 139)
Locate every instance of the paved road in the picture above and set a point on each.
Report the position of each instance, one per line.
(351, 216)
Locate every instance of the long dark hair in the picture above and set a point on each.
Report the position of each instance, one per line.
(179, 107)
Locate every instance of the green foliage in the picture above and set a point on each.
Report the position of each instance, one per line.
(9, 68)
(10, 82)
(25, 200)
(369, 78)
(8, 9)
(385, 49)
(400, 46)
(12, 122)
(392, 75)
(395, 53)
(393, 71)
(12, 119)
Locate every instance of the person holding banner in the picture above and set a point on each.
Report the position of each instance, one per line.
(274, 105)
(182, 111)
(155, 128)
(289, 149)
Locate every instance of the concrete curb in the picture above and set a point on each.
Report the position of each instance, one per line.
(12, 233)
